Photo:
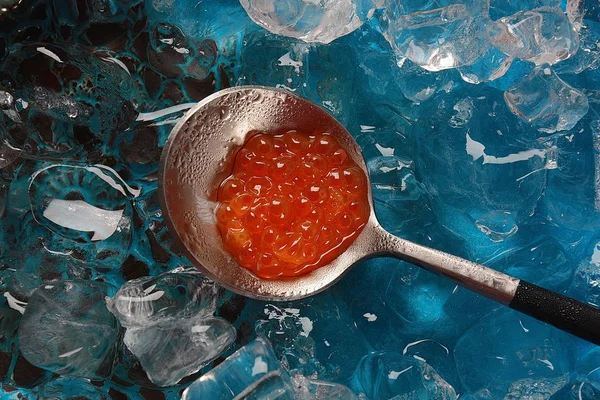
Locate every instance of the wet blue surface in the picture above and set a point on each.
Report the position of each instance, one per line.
(504, 172)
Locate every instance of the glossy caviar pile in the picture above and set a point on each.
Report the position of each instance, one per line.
(293, 203)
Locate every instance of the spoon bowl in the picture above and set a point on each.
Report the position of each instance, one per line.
(199, 154)
(212, 131)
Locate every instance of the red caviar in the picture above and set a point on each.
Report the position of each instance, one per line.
(293, 203)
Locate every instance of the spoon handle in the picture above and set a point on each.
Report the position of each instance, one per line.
(560, 311)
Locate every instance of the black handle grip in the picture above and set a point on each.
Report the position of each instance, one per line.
(563, 312)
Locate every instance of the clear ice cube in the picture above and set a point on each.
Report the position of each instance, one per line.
(546, 101)
(54, 113)
(175, 295)
(170, 351)
(311, 21)
(437, 39)
(314, 335)
(67, 329)
(542, 36)
(251, 372)
(492, 65)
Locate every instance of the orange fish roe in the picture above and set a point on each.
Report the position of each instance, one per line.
(293, 203)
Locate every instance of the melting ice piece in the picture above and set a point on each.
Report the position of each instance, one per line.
(438, 39)
(542, 36)
(251, 372)
(510, 356)
(67, 329)
(175, 349)
(546, 101)
(173, 295)
(311, 21)
(389, 375)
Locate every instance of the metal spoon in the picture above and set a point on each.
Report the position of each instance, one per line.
(197, 157)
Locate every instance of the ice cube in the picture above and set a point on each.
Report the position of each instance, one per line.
(288, 66)
(67, 329)
(321, 22)
(546, 101)
(174, 349)
(418, 84)
(392, 375)
(437, 39)
(401, 200)
(253, 371)
(491, 158)
(542, 36)
(508, 355)
(171, 296)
